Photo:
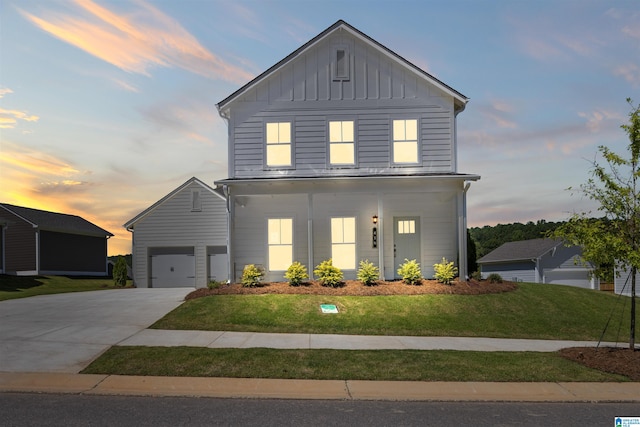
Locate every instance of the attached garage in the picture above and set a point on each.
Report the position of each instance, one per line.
(172, 267)
(181, 240)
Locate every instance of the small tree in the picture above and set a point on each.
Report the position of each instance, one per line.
(120, 272)
(616, 188)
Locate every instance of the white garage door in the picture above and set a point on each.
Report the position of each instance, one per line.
(173, 271)
(579, 278)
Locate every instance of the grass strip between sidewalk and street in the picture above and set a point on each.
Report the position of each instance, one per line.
(326, 364)
(533, 311)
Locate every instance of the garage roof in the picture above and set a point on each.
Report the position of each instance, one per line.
(523, 250)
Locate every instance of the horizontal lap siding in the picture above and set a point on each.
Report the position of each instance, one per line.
(522, 272)
(73, 253)
(305, 93)
(20, 244)
(437, 212)
(250, 234)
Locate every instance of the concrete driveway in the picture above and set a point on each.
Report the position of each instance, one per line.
(65, 332)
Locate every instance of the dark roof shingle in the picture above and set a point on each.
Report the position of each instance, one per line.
(58, 222)
(524, 250)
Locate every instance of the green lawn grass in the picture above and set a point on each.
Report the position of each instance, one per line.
(533, 311)
(380, 365)
(12, 287)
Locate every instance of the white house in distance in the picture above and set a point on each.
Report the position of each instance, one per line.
(539, 261)
(181, 240)
(622, 280)
(341, 150)
(344, 150)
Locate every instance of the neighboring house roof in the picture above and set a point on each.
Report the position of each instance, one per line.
(459, 99)
(57, 222)
(151, 208)
(524, 250)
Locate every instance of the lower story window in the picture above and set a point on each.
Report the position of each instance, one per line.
(343, 242)
(280, 242)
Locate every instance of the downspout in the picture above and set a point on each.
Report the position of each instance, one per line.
(310, 233)
(230, 259)
(463, 273)
(37, 250)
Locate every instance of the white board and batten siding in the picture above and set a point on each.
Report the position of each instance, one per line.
(176, 243)
(378, 91)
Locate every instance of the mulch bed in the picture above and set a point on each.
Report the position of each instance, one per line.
(622, 361)
(356, 288)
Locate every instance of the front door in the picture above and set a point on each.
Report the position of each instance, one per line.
(406, 240)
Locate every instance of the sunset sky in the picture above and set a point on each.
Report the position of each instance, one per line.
(106, 106)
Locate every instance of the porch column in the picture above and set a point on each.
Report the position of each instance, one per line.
(381, 236)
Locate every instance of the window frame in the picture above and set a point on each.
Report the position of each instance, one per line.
(280, 244)
(196, 201)
(354, 243)
(266, 144)
(354, 143)
(337, 75)
(392, 145)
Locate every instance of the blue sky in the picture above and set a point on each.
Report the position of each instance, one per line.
(106, 106)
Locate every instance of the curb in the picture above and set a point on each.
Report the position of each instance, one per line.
(255, 388)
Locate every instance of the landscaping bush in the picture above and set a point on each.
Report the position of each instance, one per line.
(445, 272)
(296, 274)
(328, 274)
(410, 272)
(494, 278)
(214, 284)
(251, 275)
(476, 275)
(120, 272)
(368, 273)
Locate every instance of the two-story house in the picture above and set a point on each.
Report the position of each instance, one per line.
(344, 150)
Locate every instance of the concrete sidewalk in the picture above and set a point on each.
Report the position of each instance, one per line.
(220, 339)
(256, 388)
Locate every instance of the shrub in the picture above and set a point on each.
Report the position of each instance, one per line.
(120, 272)
(410, 272)
(214, 284)
(328, 274)
(251, 275)
(296, 274)
(368, 273)
(445, 272)
(476, 275)
(494, 278)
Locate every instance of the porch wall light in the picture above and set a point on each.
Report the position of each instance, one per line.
(375, 219)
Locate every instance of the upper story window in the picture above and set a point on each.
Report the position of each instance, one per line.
(341, 63)
(341, 143)
(405, 141)
(278, 147)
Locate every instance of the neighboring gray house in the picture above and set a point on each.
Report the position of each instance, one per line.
(622, 281)
(344, 150)
(37, 242)
(539, 261)
(181, 240)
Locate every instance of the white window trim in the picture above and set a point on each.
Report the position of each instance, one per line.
(266, 165)
(268, 263)
(355, 143)
(392, 143)
(355, 240)
(196, 196)
(334, 63)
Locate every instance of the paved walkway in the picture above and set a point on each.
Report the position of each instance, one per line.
(219, 339)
